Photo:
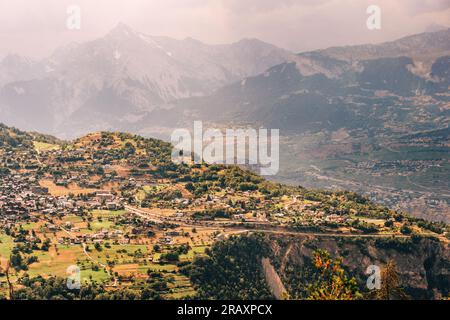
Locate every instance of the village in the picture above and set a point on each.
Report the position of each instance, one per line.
(117, 207)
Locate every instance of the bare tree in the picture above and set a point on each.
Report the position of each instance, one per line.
(8, 280)
(391, 288)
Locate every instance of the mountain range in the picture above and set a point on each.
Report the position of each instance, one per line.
(116, 78)
(371, 118)
(326, 88)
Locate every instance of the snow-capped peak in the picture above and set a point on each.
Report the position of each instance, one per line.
(149, 40)
(122, 29)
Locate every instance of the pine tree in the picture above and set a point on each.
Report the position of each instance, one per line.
(390, 284)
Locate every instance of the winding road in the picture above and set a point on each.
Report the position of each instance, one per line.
(269, 228)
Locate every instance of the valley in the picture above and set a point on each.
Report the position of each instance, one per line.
(402, 175)
(89, 192)
(116, 207)
(372, 118)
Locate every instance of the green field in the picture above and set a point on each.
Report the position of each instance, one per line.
(6, 245)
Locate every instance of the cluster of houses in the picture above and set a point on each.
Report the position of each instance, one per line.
(260, 210)
(104, 235)
(21, 194)
(396, 167)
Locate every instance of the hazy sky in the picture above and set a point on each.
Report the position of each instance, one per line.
(35, 28)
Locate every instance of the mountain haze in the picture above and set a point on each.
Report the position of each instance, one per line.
(369, 118)
(373, 119)
(117, 77)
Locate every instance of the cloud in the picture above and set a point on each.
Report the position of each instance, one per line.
(426, 6)
(36, 28)
(256, 6)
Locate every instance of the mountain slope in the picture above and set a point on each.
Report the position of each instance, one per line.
(317, 85)
(424, 45)
(344, 112)
(192, 220)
